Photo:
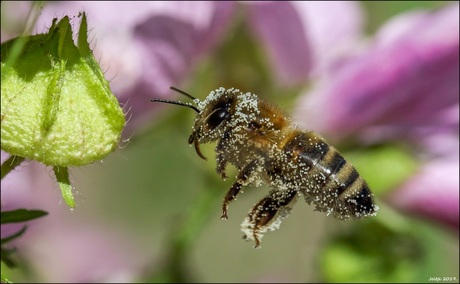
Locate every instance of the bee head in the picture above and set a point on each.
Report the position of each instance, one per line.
(213, 113)
(216, 111)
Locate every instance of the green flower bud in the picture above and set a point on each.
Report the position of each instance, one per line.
(57, 107)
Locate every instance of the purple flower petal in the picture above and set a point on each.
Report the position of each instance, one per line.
(147, 46)
(79, 250)
(432, 193)
(279, 27)
(81, 254)
(405, 79)
(13, 22)
(333, 28)
(299, 36)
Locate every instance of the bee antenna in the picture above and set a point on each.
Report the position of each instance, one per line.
(177, 103)
(182, 92)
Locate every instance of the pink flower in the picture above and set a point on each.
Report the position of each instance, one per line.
(407, 77)
(297, 36)
(76, 252)
(432, 193)
(147, 47)
(403, 86)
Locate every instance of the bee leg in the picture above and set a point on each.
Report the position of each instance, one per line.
(268, 213)
(241, 180)
(220, 157)
(221, 164)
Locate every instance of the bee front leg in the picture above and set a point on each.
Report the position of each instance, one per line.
(267, 214)
(241, 180)
(221, 162)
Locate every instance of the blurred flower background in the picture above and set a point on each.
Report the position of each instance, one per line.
(379, 80)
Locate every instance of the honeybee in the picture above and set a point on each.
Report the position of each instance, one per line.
(263, 144)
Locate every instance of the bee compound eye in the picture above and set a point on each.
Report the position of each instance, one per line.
(218, 116)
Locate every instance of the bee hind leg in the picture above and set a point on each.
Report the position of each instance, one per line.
(241, 180)
(268, 213)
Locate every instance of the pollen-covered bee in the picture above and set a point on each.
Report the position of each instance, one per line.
(262, 143)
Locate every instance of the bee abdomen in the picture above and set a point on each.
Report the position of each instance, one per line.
(327, 179)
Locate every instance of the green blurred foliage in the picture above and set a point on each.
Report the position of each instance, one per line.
(392, 249)
(383, 166)
(378, 12)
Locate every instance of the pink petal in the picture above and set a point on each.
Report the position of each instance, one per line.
(81, 254)
(404, 81)
(332, 27)
(279, 27)
(146, 47)
(433, 193)
(13, 21)
(299, 36)
(78, 249)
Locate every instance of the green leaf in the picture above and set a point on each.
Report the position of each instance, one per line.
(5, 252)
(6, 257)
(20, 215)
(9, 164)
(14, 236)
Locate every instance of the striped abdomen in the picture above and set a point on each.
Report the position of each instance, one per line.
(326, 178)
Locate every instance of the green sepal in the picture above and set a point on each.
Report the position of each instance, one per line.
(57, 107)
(62, 176)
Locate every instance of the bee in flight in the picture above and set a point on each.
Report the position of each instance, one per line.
(262, 143)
